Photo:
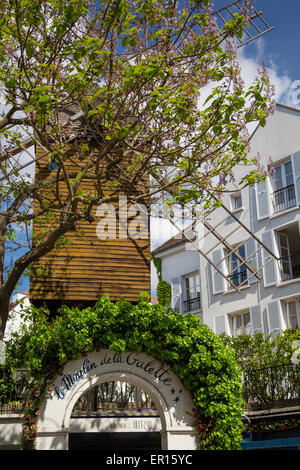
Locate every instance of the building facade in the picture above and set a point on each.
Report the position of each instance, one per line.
(266, 303)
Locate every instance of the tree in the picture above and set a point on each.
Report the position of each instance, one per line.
(135, 70)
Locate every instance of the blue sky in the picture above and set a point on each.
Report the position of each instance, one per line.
(281, 45)
(279, 48)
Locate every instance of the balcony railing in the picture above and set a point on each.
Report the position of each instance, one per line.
(290, 267)
(273, 386)
(238, 278)
(284, 198)
(13, 393)
(191, 304)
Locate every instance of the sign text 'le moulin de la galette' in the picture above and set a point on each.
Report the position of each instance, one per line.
(160, 372)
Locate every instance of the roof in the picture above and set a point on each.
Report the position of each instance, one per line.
(176, 240)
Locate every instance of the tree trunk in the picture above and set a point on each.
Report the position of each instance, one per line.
(4, 300)
(4, 311)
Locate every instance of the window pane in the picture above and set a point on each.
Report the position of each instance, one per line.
(292, 308)
(294, 322)
(238, 321)
(277, 179)
(289, 173)
(247, 319)
(237, 202)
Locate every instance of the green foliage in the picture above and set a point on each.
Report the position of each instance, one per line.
(164, 293)
(6, 383)
(195, 354)
(270, 367)
(258, 351)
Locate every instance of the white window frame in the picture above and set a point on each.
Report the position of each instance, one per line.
(243, 328)
(286, 312)
(234, 199)
(283, 173)
(285, 197)
(287, 259)
(193, 275)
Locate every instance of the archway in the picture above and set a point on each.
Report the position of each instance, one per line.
(173, 401)
(115, 415)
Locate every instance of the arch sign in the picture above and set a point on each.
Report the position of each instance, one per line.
(172, 400)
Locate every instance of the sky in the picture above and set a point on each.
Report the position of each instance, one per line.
(279, 50)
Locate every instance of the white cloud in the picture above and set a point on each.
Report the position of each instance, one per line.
(249, 66)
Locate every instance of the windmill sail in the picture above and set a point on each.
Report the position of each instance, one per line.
(212, 234)
(256, 27)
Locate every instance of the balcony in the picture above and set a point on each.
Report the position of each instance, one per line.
(191, 304)
(284, 198)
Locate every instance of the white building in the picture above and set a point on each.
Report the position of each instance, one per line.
(271, 211)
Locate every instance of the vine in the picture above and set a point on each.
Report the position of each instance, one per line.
(205, 366)
(164, 294)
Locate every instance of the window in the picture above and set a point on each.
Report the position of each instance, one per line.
(285, 259)
(237, 270)
(191, 290)
(288, 242)
(240, 324)
(236, 202)
(284, 195)
(290, 313)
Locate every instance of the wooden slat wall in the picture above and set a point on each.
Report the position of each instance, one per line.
(91, 267)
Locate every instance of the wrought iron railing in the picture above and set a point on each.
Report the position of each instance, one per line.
(13, 391)
(111, 396)
(191, 304)
(237, 278)
(284, 198)
(273, 386)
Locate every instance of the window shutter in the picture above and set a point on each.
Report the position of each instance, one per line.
(275, 317)
(262, 199)
(296, 173)
(220, 324)
(270, 271)
(256, 319)
(251, 247)
(218, 281)
(176, 293)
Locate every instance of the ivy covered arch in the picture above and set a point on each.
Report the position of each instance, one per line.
(195, 354)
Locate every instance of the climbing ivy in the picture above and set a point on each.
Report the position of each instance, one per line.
(163, 289)
(205, 366)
